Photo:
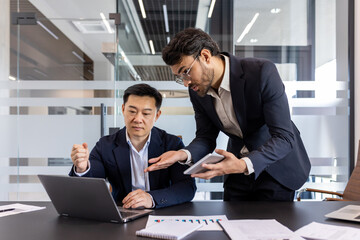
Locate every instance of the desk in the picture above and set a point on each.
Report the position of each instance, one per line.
(46, 224)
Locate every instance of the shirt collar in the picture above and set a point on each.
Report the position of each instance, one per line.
(129, 141)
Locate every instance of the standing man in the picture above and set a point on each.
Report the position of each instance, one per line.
(123, 156)
(244, 98)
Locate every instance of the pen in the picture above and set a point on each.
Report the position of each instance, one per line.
(6, 210)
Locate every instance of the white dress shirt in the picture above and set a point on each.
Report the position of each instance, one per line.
(139, 161)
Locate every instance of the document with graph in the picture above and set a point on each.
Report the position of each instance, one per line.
(210, 223)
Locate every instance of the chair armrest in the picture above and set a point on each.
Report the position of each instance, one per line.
(334, 199)
(298, 196)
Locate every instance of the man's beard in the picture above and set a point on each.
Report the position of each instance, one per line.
(206, 81)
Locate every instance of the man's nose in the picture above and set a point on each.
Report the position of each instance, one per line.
(138, 117)
(186, 83)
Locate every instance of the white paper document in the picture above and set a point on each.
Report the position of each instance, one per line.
(16, 208)
(254, 229)
(349, 213)
(210, 223)
(320, 231)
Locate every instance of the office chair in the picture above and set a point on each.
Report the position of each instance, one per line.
(352, 189)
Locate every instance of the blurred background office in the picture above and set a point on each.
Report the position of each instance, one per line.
(64, 66)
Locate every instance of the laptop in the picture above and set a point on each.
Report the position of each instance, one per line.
(349, 213)
(88, 198)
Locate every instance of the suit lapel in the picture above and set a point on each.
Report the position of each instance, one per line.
(156, 148)
(207, 103)
(237, 88)
(122, 157)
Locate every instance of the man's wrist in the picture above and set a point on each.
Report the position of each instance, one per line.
(249, 166)
(77, 170)
(243, 166)
(152, 200)
(187, 160)
(82, 173)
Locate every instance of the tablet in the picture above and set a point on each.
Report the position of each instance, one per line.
(211, 158)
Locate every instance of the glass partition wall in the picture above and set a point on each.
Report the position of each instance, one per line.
(68, 63)
(59, 77)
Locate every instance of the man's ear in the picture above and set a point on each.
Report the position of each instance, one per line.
(123, 108)
(206, 55)
(157, 115)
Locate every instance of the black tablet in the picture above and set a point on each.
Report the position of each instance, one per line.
(211, 158)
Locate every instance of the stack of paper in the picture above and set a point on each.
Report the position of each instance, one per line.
(268, 229)
(320, 231)
(16, 208)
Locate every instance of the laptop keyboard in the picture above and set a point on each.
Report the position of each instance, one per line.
(126, 214)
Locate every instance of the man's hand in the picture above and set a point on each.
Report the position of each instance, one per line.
(80, 157)
(137, 198)
(166, 160)
(230, 164)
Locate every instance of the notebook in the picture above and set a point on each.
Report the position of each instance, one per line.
(89, 198)
(349, 213)
(169, 230)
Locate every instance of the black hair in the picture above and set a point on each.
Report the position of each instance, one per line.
(141, 90)
(188, 42)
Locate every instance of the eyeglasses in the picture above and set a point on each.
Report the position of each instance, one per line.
(185, 76)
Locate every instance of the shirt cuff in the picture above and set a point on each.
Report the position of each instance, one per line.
(153, 202)
(249, 165)
(83, 173)
(188, 160)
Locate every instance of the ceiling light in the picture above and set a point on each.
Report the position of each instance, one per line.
(152, 47)
(211, 8)
(91, 27)
(248, 27)
(12, 78)
(167, 40)
(127, 29)
(48, 30)
(141, 4)
(123, 54)
(40, 72)
(253, 40)
(106, 22)
(78, 56)
(275, 10)
(166, 20)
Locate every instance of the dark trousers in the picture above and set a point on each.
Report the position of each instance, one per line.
(240, 187)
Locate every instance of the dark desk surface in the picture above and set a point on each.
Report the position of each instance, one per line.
(46, 224)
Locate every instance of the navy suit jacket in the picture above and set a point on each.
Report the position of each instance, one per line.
(110, 159)
(262, 111)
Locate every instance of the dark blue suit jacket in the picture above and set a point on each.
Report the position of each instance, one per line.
(262, 111)
(110, 159)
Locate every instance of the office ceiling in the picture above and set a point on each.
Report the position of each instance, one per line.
(67, 17)
(180, 14)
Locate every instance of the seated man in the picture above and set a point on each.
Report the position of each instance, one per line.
(123, 156)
